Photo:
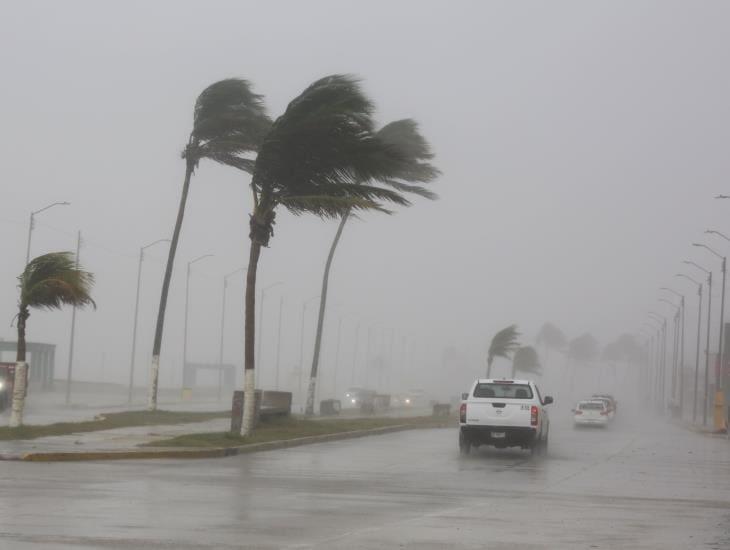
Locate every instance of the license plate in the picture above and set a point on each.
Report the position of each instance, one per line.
(497, 435)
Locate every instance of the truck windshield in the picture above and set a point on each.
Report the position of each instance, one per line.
(503, 391)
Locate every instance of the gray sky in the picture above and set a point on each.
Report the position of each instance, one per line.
(581, 145)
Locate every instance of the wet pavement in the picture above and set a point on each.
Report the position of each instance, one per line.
(633, 487)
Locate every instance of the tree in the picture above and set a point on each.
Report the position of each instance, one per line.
(48, 282)
(583, 348)
(315, 159)
(229, 122)
(526, 360)
(552, 337)
(502, 345)
(413, 168)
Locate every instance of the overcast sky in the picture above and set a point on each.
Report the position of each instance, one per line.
(581, 145)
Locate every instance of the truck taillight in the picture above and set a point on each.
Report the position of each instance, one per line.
(604, 413)
(533, 415)
(578, 411)
(462, 413)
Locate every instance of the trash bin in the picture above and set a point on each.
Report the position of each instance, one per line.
(330, 407)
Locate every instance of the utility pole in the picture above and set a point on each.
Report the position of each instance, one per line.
(69, 376)
(136, 314)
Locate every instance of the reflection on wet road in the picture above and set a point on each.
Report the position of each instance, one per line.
(626, 487)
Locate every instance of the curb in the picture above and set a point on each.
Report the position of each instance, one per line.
(216, 452)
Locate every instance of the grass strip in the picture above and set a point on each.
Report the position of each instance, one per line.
(278, 429)
(110, 421)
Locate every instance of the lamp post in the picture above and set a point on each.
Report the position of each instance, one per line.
(723, 266)
(187, 302)
(652, 360)
(31, 225)
(675, 345)
(223, 329)
(663, 357)
(136, 314)
(707, 346)
(679, 383)
(697, 356)
(278, 342)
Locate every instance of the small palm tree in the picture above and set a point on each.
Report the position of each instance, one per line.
(229, 122)
(414, 153)
(320, 157)
(48, 282)
(526, 360)
(503, 344)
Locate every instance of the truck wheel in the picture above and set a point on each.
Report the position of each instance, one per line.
(464, 445)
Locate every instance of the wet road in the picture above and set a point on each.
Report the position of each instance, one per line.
(626, 487)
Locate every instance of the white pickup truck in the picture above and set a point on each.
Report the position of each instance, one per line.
(504, 413)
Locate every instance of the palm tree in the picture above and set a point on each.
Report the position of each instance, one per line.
(320, 157)
(229, 122)
(414, 152)
(48, 282)
(526, 360)
(502, 345)
(583, 349)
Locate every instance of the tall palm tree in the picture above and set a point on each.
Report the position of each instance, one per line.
(503, 344)
(525, 360)
(415, 154)
(48, 282)
(320, 157)
(229, 122)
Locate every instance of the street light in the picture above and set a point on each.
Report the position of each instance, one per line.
(662, 372)
(136, 313)
(31, 225)
(675, 344)
(223, 329)
(707, 346)
(699, 327)
(187, 300)
(678, 385)
(261, 323)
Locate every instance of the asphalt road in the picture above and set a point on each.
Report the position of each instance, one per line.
(635, 487)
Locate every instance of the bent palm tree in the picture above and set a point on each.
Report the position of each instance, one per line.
(526, 360)
(320, 157)
(48, 282)
(503, 343)
(229, 122)
(414, 152)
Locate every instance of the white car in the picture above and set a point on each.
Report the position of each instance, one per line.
(504, 413)
(594, 412)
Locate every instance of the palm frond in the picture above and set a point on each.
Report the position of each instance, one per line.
(413, 151)
(503, 343)
(327, 206)
(526, 360)
(53, 280)
(229, 121)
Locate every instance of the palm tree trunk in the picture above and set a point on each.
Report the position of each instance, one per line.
(19, 383)
(320, 321)
(155, 369)
(489, 367)
(249, 380)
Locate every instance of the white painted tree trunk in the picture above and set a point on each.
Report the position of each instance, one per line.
(249, 401)
(16, 417)
(154, 379)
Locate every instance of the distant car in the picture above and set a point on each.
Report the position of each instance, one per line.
(504, 413)
(592, 412)
(609, 399)
(354, 398)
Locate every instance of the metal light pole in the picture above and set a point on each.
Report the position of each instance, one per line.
(278, 342)
(680, 371)
(354, 353)
(707, 346)
(187, 301)
(697, 357)
(31, 225)
(675, 344)
(663, 358)
(337, 358)
(261, 323)
(136, 313)
(723, 266)
(223, 329)
(69, 375)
